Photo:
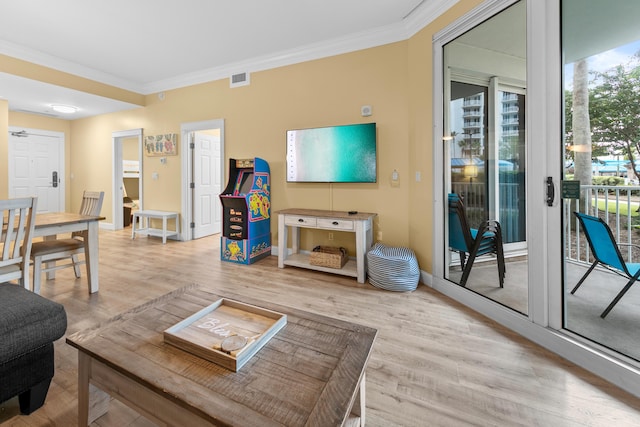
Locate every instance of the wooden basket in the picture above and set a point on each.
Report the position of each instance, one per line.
(328, 256)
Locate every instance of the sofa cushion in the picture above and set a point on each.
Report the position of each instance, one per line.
(27, 321)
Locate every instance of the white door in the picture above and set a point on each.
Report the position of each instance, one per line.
(207, 185)
(36, 168)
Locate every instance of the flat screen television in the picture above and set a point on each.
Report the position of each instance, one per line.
(344, 153)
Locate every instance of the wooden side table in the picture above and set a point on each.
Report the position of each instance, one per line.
(144, 227)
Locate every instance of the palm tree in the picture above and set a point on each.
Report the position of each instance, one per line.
(581, 125)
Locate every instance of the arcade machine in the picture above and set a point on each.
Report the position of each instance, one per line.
(246, 212)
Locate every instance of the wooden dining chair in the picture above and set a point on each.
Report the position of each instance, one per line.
(18, 221)
(51, 251)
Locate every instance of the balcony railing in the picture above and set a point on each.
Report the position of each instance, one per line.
(509, 96)
(510, 217)
(616, 205)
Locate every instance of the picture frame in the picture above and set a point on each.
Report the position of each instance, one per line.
(161, 145)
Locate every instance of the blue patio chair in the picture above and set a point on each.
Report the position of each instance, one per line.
(606, 252)
(475, 242)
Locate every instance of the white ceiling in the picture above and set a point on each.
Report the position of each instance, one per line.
(148, 46)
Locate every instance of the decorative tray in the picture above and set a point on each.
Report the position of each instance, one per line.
(227, 332)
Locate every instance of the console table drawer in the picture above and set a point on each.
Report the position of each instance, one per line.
(298, 221)
(337, 224)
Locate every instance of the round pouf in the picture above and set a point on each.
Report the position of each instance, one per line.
(393, 269)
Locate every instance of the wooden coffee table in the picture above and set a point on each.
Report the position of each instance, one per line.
(311, 373)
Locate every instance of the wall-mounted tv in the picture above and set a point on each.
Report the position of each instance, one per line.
(332, 154)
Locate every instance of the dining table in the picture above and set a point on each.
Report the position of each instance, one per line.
(48, 225)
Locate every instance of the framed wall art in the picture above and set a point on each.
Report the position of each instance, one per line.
(161, 145)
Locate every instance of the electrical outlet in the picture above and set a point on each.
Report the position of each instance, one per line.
(330, 236)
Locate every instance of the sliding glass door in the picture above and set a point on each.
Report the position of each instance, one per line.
(528, 139)
(485, 146)
(601, 165)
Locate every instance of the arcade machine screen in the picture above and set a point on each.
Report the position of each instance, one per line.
(245, 181)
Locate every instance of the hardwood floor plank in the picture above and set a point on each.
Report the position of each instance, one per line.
(434, 362)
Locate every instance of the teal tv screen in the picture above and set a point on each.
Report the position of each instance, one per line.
(332, 154)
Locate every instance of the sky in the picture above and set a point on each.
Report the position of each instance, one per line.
(606, 60)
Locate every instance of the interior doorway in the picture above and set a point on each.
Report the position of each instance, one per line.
(202, 177)
(36, 167)
(127, 176)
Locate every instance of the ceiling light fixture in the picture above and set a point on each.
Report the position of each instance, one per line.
(65, 109)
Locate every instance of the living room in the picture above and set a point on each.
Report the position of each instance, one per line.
(395, 79)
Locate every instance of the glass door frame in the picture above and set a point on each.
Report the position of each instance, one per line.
(494, 86)
(544, 322)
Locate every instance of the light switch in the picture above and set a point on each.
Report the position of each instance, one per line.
(154, 176)
(395, 178)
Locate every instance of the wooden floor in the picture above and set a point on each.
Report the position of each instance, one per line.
(435, 362)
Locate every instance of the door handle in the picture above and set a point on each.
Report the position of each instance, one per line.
(54, 179)
(551, 191)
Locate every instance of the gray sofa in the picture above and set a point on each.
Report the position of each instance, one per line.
(29, 324)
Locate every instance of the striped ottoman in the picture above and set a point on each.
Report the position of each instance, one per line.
(393, 269)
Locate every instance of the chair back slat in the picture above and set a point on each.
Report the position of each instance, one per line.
(17, 228)
(601, 241)
(91, 205)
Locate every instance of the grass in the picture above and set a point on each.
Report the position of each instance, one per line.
(623, 207)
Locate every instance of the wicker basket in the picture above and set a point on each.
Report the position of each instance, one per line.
(328, 256)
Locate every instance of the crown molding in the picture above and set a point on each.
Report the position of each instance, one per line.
(421, 16)
(469, 20)
(324, 49)
(50, 61)
(426, 13)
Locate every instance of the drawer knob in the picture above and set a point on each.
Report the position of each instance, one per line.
(335, 223)
(300, 220)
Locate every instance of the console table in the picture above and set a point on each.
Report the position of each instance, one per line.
(144, 227)
(359, 223)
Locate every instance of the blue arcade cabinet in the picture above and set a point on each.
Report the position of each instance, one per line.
(246, 212)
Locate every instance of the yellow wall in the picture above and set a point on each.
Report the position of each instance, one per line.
(92, 154)
(316, 93)
(395, 79)
(130, 149)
